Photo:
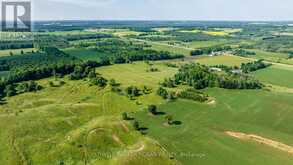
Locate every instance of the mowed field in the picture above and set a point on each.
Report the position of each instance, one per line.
(201, 137)
(277, 75)
(227, 60)
(78, 123)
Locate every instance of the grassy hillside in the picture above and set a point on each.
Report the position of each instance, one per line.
(276, 75)
(72, 124)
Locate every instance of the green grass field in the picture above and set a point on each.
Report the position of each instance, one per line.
(273, 57)
(78, 123)
(222, 60)
(15, 51)
(276, 75)
(72, 124)
(203, 44)
(200, 139)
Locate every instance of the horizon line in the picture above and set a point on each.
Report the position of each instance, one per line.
(157, 20)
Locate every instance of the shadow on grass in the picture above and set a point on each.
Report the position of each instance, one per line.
(160, 113)
(143, 130)
(130, 118)
(2, 101)
(176, 122)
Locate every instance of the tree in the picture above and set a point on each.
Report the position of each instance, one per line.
(136, 125)
(99, 81)
(196, 52)
(92, 74)
(113, 82)
(169, 119)
(132, 91)
(124, 116)
(10, 90)
(162, 92)
(21, 52)
(152, 109)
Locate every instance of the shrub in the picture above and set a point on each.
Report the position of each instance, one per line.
(136, 125)
(152, 109)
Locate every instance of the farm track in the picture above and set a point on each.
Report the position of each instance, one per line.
(262, 140)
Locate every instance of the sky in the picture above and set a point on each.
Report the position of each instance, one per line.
(231, 10)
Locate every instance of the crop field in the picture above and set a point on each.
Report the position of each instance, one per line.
(214, 32)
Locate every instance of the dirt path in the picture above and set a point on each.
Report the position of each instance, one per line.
(262, 140)
(126, 129)
(140, 148)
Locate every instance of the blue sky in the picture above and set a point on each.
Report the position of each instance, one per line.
(163, 9)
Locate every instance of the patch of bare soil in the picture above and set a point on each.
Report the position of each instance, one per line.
(262, 140)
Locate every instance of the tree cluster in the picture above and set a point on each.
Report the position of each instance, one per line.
(253, 66)
(243, 53)
(200, 77)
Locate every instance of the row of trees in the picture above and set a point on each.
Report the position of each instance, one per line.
(243, 53)
(14, 89)
(16, 45)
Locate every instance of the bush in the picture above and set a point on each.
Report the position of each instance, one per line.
(152, 109)
(162, 92)
(132, 91)
(136, 125)
(192, 94)
(124, 116)
(169, 119)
